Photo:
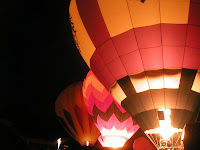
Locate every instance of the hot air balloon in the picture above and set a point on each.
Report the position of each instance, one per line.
(147, 55)
(73, 115)
(114, 123)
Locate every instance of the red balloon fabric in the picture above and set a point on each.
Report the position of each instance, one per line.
(146, 54)
(143, 143)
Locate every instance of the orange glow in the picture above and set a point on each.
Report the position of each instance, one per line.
(140, 82)
(117, 93)
(195, 86)
(172, 79)
(114, 138)
(166, 130)
(157, 79)
(87, 143)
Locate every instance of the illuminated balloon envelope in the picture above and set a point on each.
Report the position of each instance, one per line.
(114, 123)
(147, 55)
(72, 113)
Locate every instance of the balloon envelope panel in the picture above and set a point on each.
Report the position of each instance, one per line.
(114, 123)
(146, 54)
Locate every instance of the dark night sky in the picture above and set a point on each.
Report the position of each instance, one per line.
(38, 60)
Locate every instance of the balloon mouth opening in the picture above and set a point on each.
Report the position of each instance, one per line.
(165, 136)
(161, 140)
(112, 141)
(165, 133)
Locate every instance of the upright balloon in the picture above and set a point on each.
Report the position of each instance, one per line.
(114, 123)
(73, 115)
(147, 55)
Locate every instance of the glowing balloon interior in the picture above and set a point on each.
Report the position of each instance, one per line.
(114, 123)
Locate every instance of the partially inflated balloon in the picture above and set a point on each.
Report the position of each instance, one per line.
(72, 113)
(114, 123)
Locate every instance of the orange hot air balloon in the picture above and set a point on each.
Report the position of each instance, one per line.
(115, 124)
(73, 115)
(147, 55)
